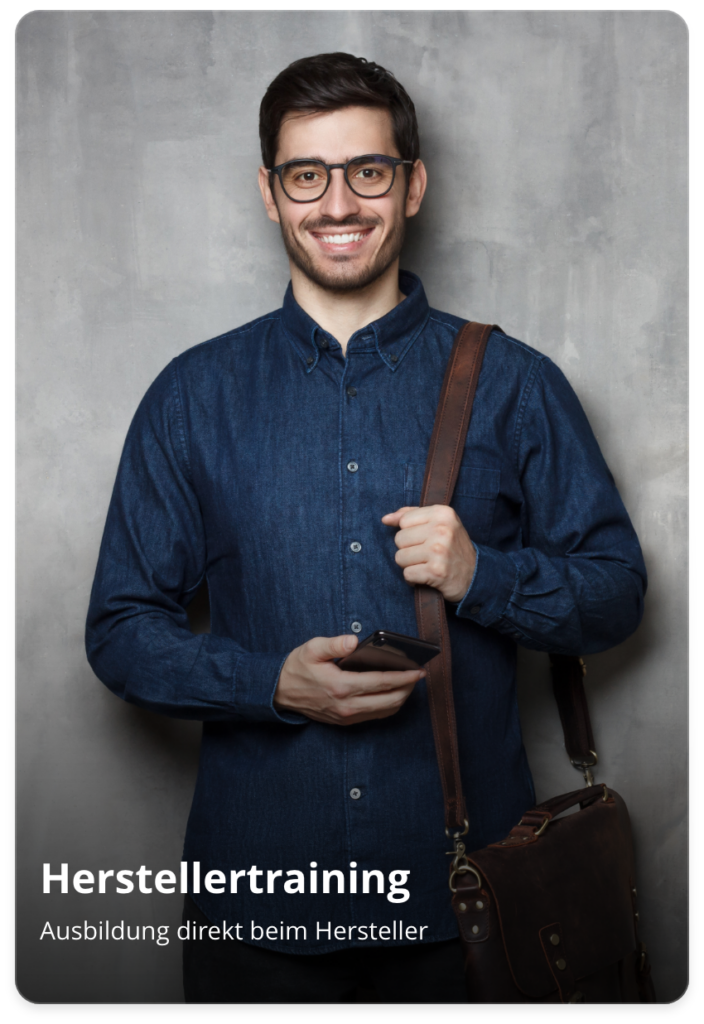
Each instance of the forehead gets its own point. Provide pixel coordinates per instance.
(336, 136)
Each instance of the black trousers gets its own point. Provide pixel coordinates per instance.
(216, 971)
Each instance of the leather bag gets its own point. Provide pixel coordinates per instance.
(547, 914)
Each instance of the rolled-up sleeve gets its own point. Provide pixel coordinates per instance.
(577, 584)
(151, 563)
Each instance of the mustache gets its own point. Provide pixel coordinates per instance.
(353, 221)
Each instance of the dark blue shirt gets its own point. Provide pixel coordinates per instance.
(262, 461)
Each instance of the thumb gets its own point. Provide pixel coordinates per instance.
(325, 648)
(392, 518)
(342, 645)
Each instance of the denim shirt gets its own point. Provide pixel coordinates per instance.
(262, 461)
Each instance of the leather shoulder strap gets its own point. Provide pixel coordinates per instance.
(441, 471)
(568, 687)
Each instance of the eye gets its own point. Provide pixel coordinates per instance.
(368, 173)
(307, 177)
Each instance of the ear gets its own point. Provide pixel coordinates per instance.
(416, 188)
(267, 195)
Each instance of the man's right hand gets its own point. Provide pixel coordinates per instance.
(311, 683)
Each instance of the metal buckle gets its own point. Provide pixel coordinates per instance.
(542, 828)
(459, 864)
(456, 835)
(584, 766)
(462, 870)
(543, 825)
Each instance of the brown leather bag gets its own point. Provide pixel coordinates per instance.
(548, 914)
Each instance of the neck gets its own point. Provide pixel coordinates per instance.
(343, 313)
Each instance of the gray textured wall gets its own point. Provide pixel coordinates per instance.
(555, 144)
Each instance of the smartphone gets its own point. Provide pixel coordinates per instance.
(384, 651)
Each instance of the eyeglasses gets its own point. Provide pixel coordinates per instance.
(370, 176)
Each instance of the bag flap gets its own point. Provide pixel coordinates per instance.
(579, 876)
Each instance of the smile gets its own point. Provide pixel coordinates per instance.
(347, 240)
(343, 239)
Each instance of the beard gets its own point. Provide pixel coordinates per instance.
(341, 273)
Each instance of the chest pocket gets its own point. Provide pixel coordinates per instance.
(474, 499)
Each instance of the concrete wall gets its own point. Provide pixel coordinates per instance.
(555, 144)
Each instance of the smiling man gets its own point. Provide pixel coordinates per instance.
(282, 463)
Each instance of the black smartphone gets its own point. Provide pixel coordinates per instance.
(384, 651)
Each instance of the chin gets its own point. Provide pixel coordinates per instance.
(340, 274)
(343, 273)
(349, 279)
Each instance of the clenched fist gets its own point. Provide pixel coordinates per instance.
(434, 548)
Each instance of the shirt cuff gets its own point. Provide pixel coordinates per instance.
(489, 592)
(254, 686)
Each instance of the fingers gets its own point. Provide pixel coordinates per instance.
(420, 574)
(412, 536)
(354, 684)
(373, 706)
(310, 682)
(421, 554)
(412, 515)
(362, 707)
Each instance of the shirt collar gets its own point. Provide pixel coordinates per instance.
(390, 337)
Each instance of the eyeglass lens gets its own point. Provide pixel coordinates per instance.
(368, 176)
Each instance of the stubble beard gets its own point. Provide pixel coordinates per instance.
(338, 273)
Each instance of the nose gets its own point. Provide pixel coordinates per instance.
(339, 201)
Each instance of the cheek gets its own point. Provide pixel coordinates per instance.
(292, 225)
(394, 219)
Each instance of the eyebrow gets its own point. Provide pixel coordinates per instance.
(321, 160)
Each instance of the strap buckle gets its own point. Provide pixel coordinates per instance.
(585, 766)
(456, 835)
(459, 864)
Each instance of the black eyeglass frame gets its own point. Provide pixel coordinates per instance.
(393, 160)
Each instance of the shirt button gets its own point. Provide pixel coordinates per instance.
(355, 793)
(324, 343)
(394, 358)
(351, 392)
(356, 627)
(475, 609)
(310, 360)
(516, 636)
(352, 466)
(355, 546)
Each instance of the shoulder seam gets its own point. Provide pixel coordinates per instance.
(445, 323)
(523, 402)
(539, 357)
(245, 328)
(227, 334)
(180, 418)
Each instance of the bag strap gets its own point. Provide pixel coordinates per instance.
(568, 688)
(441, 471)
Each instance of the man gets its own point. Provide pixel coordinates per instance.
(282, 462)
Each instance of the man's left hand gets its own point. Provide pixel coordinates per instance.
(434, 548)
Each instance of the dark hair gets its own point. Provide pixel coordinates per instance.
(331, 81)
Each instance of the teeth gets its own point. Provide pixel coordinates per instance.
(343, 239)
